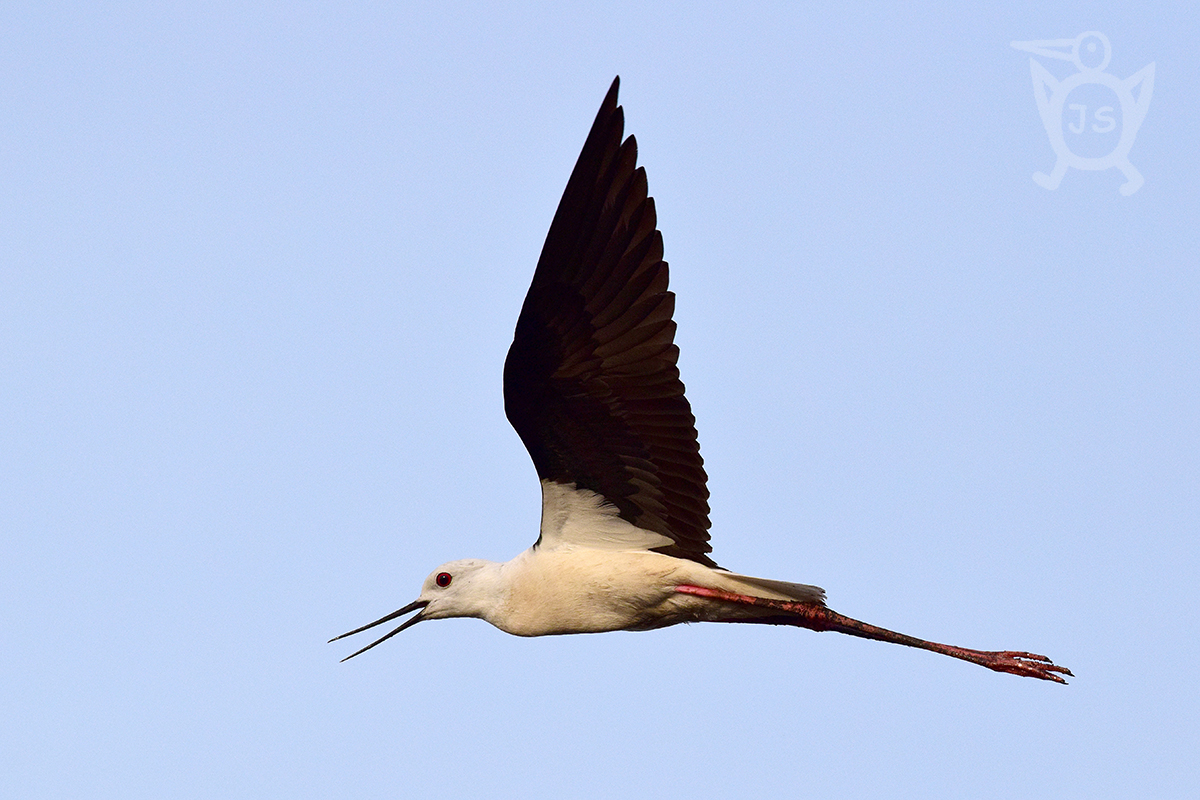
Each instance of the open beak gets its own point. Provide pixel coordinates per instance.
(416, 605)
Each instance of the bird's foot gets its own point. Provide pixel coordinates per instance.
(1031, 665)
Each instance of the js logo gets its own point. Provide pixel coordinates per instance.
(1096, 129)
(1104, 120)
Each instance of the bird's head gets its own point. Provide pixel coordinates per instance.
(456, 589)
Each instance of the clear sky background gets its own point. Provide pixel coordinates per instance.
(259, 268)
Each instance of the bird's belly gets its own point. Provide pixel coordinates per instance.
(576, 592)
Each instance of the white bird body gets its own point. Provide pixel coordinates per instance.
(592, 388)
(591, 572)
(544, 592)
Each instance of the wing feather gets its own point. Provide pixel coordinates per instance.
(591, 383)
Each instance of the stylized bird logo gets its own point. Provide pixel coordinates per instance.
(1090, 53)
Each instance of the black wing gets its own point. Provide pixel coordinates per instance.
(591, 383)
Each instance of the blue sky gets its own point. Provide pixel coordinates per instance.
(259, 268)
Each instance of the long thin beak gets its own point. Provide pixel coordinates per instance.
(416, 605)
(1051, 48)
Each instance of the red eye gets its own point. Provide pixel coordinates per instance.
(443, 579)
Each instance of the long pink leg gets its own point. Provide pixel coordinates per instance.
(820, 618)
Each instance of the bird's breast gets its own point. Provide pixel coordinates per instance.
(591, 591)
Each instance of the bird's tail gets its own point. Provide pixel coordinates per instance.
(775, 590)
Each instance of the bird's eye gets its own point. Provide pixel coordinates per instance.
(443, 579)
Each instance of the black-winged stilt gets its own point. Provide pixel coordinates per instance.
(592, 388)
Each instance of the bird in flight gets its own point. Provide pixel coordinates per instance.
(592, 388)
